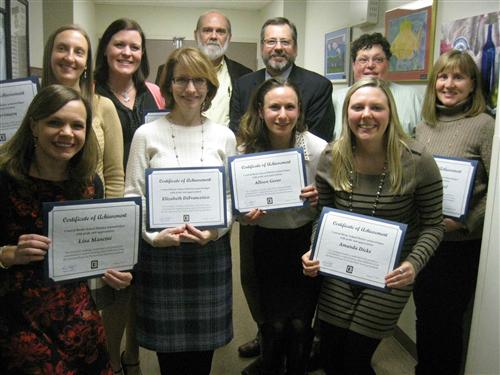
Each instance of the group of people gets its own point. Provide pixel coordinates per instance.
(84, 136)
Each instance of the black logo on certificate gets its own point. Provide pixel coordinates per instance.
(349, 269)
(269, 200)
(185, 218)
(94, 264)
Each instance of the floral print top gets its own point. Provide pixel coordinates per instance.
(44, 329)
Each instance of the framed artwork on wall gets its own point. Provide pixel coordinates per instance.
(337, 51)
(17, 39)
(411, 34)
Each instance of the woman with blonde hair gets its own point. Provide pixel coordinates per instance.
(455, 125)
(47, 327)
(183, 276)
(374, 169)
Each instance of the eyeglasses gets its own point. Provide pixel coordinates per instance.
(365, 60)
(273, 42)
(198, 82)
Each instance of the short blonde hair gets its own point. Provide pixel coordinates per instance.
(453, 61)
(197, 65)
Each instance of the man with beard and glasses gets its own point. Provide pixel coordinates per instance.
(212, 36)
(278, 44)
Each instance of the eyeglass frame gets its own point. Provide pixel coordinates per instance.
(377, 60)
(198, 82)
(274, 42)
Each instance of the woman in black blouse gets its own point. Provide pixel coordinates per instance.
(120, 74)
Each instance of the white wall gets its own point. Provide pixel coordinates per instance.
(484, 342)
(162, 22)
(84, 16)
(36, 33)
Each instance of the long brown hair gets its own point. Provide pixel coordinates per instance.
(253, 133)
(17, 154)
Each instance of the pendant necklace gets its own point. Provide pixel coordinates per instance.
(172, 134)
(379, 189)
(124, 94)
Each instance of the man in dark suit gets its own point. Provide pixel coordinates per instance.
(278, 43)
(213, 35)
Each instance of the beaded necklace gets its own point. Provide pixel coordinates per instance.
(379, 189)
(172, 134)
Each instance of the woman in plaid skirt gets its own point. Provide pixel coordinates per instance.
(183, 277)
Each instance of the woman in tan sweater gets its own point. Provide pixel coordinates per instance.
(455, 125)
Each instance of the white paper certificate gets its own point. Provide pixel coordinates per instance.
(267, 180)
(177, 196)
(90, 236)
(15, 98)
(458, 181)
(358, 248)
(155, 115)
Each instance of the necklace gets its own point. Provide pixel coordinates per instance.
(379, 189)
(123, 94)
(172, 134)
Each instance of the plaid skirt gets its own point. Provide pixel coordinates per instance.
(184, 296)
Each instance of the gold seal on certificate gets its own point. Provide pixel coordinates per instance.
(177, 196)
(267, 180)
(90, 236)
(360, 249)
(458, 181)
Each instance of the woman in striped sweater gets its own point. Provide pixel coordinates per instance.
(455, 125)
(372, 170)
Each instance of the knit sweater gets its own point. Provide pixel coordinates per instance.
(153, 147)
(455, 135)
(371, 312)
(108, 131)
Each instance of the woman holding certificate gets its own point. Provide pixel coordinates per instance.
(183, 276)
(287, 299)
(68, 61)
(47, 327)
(374, 169)
(455, 125)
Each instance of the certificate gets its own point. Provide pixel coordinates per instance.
(155, 115)
(90, 236)
(177, 196)
(458, 181)
(267, 180)
(15, 98)
(357, 248)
